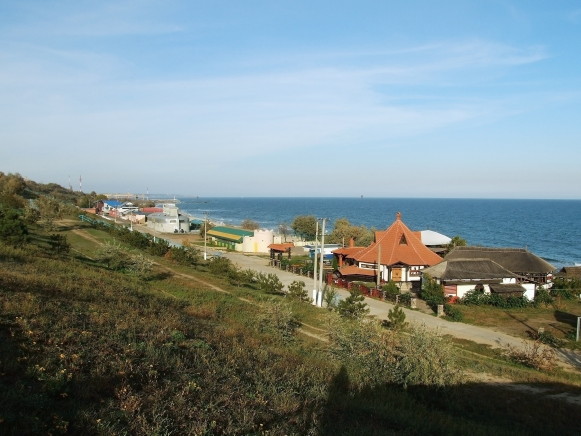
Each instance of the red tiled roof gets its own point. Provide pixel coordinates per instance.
(281, 247)
(397, 244)
(353, 270)
(347, 251)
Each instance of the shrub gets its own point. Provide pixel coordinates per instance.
(297, 291)
(549, 339)
(534, 355)
(428, 359)
(475, 298)
(59, 243)
(279, 320)
(542, 296)
(405, 299)
(453, 313)
(396, 317)
(331, 298)
(376, 356)
(390, 290)
(353, 306)
(269, 283)
(432, 292)
(13, 231)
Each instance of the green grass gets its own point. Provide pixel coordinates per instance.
(86, 349)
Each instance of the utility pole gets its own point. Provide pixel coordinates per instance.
(321, 288)
(205, 231)
(315, 283)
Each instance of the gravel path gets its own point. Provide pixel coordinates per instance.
(380, 309)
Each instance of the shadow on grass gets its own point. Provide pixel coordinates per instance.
(472, 408)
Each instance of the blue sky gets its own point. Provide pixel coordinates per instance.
(294, 98)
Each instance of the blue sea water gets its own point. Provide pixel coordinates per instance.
(549, 228)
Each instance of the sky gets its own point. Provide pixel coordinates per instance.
(291, 98)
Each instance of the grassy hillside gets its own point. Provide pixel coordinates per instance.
(92, 346)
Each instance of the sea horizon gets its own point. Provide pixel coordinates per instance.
(550, 228)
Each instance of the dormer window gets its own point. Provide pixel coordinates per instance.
(403, 240)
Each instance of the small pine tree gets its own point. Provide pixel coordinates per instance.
(297, 291)
(396, 317)
(353, 307)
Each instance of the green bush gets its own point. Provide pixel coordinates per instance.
(432, 292)
(354, 306)
(453, 313)
(391, 291)
(297, 291)
(396, 317)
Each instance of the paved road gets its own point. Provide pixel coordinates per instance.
(380, 308)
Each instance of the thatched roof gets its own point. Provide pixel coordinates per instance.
(468, 269)
(570, 272)
(507, 289)
(517, 260)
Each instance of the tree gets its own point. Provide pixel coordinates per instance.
(456, 241)
(432, 292)
(343, 231)
(250, 225)
(50, 209)
(396, 317)
(269, 283)
(353, 307)
(297, 291)
(305, 226)
(13, 231)
(59, 243)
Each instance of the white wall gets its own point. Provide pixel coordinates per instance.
(258, 243)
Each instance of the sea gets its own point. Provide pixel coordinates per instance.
(551, 229)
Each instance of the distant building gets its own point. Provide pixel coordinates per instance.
(168, 221)
(237, 239)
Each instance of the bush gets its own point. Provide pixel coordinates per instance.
(297, 291)
(405, 299)
(453, 313)
(13, 231)
(475, 298)
(376, 356)
(330, 297)
(353, 307)
(534, 355)
(390, 290)
(432, 292)
(542, 296)
(270, 283)
(278, 320)
(396, 317)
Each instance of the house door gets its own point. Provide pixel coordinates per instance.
(396, 274)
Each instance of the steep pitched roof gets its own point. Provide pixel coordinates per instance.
(518, 260)
(397, 245)
(468, 269)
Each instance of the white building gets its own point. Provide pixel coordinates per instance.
(169, 221)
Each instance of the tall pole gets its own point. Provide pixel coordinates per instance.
(378, 265)
(205, 231)
(321, 288)
(315, 283)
